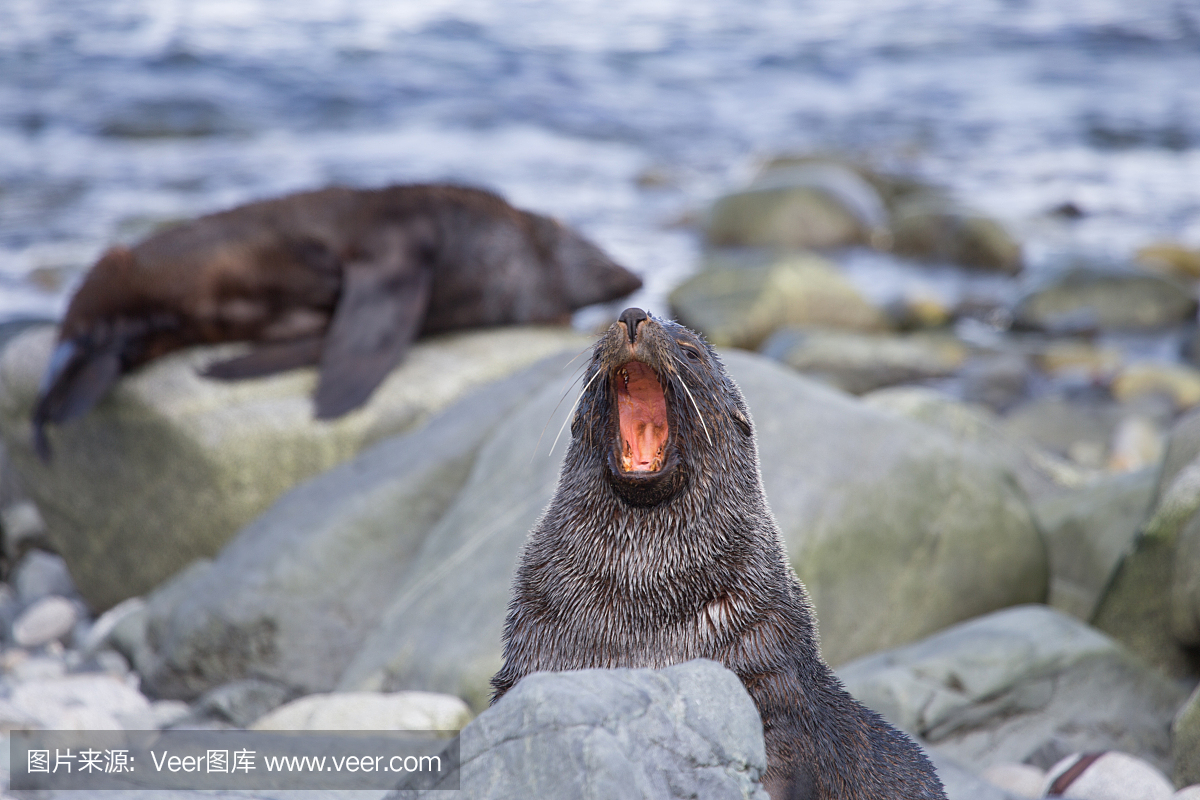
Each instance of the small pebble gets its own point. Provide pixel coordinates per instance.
(41, 574)
(45, 621)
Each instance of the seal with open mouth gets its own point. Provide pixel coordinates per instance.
(659, 547)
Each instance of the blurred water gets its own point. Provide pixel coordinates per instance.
(116, 116)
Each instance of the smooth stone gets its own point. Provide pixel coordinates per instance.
(742, 306)
(40, 574)
(1113, 776)
(1082, 301)
(23, 526)
(930, 229)
(1024, 780)
(1079, 360)
(896, 529)
(1170, 258)
(1088, 531)
(1152, 604)
(803, 206)
(45, 621)
(368, 711)
(1178, 382)
(685, 731)
(1001, 687)
(120, 496)
(294, 595)
(859, 362)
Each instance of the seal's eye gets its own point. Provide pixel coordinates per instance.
(692, 352)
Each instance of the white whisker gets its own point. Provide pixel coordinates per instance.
(571, 413)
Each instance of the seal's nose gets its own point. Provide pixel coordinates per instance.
(632, 317)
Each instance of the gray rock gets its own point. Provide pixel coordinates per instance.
(896, 529)
(1185, 742)
(928, 227)
(1039, 473)
(685, 731)
(41, 574)
(120, 498)
(292, 597)
(1083, 300)
(1147, 605)
(1088, 531)
(742, 306)
(1004, 686)
(801, 206)
(47, 620)
(242, 702)
(859, 362)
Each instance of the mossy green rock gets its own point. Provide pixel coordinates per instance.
(170, 465)
(938, 232)
(742, 306)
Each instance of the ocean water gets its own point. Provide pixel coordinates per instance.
(621, 117)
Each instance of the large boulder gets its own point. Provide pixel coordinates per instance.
(1151, 605)
(685, 731)
(1086, 300)
(293, 596)
(799, 206)
(929, 228)
(862, 362)
(1025, 683)
(740, 306)
(897, 530)
(1088, 531)
(170, 465)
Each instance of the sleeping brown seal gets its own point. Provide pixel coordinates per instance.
(658, 547)
(341, 277)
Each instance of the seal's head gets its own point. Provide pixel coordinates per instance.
(658, 404)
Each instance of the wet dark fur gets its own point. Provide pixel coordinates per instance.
(341, 277)
(626, 571)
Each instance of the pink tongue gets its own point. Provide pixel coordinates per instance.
(643, 411)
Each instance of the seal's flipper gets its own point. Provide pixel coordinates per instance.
(380, 312)
(268, 359)
(75, 380)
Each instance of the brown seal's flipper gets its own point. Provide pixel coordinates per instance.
(268, 359)
(75, 380)
(379, 313)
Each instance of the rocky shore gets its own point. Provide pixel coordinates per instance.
(990, 486)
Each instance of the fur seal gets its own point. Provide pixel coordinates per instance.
(341, 277)
(659, 547)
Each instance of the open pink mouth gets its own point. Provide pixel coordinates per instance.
(643, 412)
